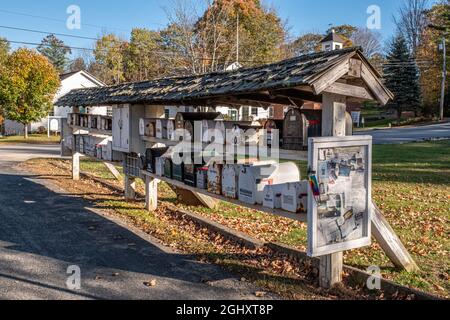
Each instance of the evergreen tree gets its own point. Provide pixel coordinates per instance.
(56, 52)
(402, 76)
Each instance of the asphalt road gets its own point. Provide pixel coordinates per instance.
(408, 134)
(44, 231)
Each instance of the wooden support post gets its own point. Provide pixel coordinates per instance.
(192, 198)
(151, 193)
(130, 188)
(206, 201)
(391, 243)
(75, 165)
(334, 108)
(330, 270)
(113, 170)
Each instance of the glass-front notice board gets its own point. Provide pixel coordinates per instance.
(340, 195)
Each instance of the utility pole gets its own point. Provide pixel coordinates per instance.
(444, 75)
(237, 38)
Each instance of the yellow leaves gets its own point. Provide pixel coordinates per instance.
(28, 85)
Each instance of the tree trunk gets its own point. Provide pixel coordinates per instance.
(25, 131)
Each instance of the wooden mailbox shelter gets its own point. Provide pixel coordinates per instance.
(331, 78)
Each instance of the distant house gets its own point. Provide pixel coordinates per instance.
(332, 41)
(72, 80)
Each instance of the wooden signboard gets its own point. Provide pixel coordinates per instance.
(339, 212)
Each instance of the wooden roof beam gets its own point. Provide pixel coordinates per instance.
(379, 91)
(330, 76)
(350, 91)
(264, 99)
(296, 95)
(355, 66)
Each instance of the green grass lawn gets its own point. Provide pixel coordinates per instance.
(411, 184)
(32, 139)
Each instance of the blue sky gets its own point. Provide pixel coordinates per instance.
(99, 16)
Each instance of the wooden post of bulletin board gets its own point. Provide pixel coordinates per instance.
(334, 108)
(75, 154)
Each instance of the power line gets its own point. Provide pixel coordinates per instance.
(64, 21)
(57, 20)
(48, 33)
(92, 50)
(46, 45)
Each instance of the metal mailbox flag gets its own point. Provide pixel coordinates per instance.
(339, 205)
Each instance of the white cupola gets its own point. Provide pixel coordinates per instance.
(332, 41)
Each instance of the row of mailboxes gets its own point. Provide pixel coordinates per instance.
(96, 147)
(293, 132)
(271, 184)
(90, 121)
(297, 127)
(204, 127)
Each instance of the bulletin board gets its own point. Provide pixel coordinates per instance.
(340, 193)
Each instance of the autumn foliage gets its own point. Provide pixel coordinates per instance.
(28, 84)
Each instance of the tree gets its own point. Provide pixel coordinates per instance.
(209, 42)
(344, 30)
(56, 51)
(307, 43)
(412, 22)
(27, 87)
(402, 76)
(142, 56)
(77, 65)
(109, 53)
(368, 40)
(438, 25)
(4, 50)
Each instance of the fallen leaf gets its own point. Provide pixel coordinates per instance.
(151, 283)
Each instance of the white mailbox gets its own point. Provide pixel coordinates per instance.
(272, 196)
(253, 179)
(215, 178)
(230, 180)
(295, 197)
(160, 166)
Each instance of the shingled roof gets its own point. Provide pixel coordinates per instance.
(182, 90)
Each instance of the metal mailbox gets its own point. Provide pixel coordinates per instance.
(168, 173)
(272, 196)
(160, 166)
(215, 178)
(186, 121)
(178, 171)
(269, 126)
(151, 155)
(202, 178)
(299, 125)
(230, 180)
(147, 127)
(190, 174)
(254, 178)
(295, 197)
